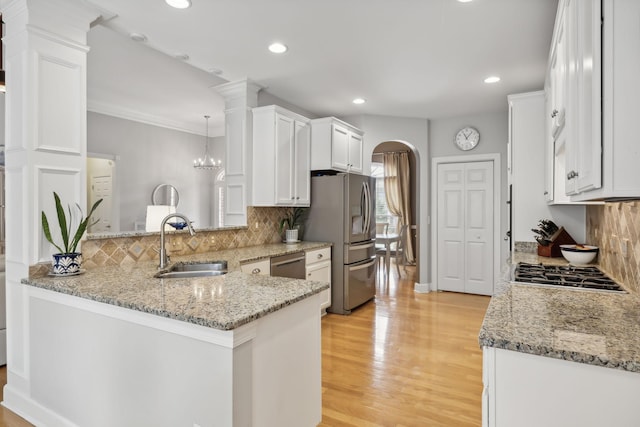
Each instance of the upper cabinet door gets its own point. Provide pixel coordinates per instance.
(355, 153)
(558, 76)
(302, 170)
(589, 96)
(284, 160)
(339, 147)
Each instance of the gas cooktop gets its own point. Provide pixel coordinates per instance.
(569, 276)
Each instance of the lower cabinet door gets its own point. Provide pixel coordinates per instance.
(321, 272)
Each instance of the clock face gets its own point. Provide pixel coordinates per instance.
(467, 138)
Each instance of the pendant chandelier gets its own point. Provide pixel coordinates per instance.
(207, 162)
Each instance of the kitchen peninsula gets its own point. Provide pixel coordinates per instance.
(116, 346)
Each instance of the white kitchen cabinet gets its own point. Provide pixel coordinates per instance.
(318, 267)
(573, 94)
(281, 158)
(336, 145)
(595, 149)
(527, 390)
(262, 267)
(620, 153)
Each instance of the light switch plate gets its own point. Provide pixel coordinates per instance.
(624, 247)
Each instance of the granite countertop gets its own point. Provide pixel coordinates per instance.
(597, 328)
(221, 302)
(531, 258)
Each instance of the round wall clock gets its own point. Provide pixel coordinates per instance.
(467, 138)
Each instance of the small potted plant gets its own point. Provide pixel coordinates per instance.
(67, 261)
(292, 223)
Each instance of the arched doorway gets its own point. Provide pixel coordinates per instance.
(383, 213)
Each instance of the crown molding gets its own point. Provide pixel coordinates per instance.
(153, 120)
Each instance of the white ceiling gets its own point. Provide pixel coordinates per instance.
(409, 58)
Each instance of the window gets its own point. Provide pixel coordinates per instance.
(383, 215)
(219, 206)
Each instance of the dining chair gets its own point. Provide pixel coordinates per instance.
(382, 227)
(397, 250)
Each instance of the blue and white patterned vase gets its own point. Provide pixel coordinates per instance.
(67, 263)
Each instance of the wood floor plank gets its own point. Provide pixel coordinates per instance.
(403, 360)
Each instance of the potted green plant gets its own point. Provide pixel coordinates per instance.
(67, 261)
(292, 223)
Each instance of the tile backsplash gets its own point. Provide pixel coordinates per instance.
(263, 227)
(615, 229)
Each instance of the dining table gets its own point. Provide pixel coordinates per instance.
(387, 239)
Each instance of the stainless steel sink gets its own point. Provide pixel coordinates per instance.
(201, 269)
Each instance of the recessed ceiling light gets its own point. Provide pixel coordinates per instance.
(492, 79)
(179, 4)
(359, 101)
(277, 48)
(138, 37)
(464, 1)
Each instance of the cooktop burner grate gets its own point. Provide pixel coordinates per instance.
(565, 275)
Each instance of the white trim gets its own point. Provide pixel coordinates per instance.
(497, 201)
(150, 119)
(422, 288)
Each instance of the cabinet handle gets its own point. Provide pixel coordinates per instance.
(319, 256)
(572, 174)
(255, 271)
(546, 192)
(297, 198)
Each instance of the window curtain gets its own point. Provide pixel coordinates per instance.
(397, 190)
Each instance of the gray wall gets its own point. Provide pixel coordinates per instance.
(146, 156)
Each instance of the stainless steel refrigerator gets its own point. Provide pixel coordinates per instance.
(342, 212)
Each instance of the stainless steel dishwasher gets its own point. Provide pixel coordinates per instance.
(290, 265)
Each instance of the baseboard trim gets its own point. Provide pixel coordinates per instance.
(30, 410)
(422, 288)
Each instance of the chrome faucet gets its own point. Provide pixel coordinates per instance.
(164, 258)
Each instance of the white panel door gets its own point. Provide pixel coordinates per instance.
(465, 227)
(101, 188)
(451, 227)
(479, 228)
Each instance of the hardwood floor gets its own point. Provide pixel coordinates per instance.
(405, 359)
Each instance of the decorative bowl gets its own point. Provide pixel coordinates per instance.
(579, 254)
(178, 225)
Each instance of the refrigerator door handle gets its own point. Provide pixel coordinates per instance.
(363, 206)
(360, 247)
(366, 207)
(363, 266)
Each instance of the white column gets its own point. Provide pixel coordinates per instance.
(45, 59)
(239, 97)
